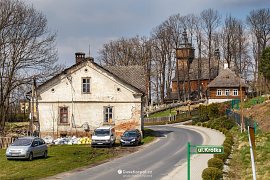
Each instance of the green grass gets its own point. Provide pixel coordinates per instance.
(252, 102)
(149, 136)
(163, 113)
(240, 164)
(61, 158)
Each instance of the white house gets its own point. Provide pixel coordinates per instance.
(87, 95)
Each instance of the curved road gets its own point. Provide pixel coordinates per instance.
(152, 162)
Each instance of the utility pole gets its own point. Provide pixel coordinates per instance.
(32, 108)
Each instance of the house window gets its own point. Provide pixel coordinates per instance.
(85, 85)
(235, 92)
(219, 92)
(108, 114)
(63, 111)
(227, 92)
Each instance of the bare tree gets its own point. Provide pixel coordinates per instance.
(27, 49)
(210, 20)
(259, 25)
(130, 51)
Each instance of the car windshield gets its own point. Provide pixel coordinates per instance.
(102, 132)
(22, 142)
(130, 134)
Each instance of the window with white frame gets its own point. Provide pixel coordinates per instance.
(219, 92)
(227, 92)
(108, 114)
(63, 115)
(85, 85)
(235, 92)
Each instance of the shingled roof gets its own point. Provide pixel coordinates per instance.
(133, 75)
(193, 72)
(227, 78)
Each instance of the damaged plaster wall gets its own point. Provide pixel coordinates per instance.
(105, 90)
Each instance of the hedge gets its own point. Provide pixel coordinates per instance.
(212, 173)
(215, 162)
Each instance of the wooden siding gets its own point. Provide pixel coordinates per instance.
(193, 85)
(213, 93)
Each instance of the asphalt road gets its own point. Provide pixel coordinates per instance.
(153, 162)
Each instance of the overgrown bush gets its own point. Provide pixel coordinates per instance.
(215, 162)
(213, 110)
(228, 141)
(212, 173)
(227, 152)
(220, 156)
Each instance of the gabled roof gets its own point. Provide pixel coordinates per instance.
(227, 78)
(193, 72)
(131, 75)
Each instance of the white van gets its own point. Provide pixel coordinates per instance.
(103, 136)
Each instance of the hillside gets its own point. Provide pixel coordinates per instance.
(261, 114)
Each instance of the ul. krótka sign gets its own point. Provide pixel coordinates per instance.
(210, 149)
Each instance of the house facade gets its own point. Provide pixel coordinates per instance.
(226, 87)
(87, 95)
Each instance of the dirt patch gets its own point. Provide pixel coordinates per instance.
(261, 114)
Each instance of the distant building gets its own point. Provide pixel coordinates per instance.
(24, 106)
(227, 86)
(197, 74)
(191, 75)
(86, 96)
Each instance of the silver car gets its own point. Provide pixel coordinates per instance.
(27, 148)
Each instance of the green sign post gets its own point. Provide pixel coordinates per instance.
(201, 149)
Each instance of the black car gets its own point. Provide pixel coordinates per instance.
(131, 137)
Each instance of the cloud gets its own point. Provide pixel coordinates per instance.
(79, 23)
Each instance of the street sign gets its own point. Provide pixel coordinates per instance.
(200, 149)
(209, 149)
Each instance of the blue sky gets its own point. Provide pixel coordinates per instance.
(80, 23)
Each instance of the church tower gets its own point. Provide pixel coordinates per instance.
(184, 57)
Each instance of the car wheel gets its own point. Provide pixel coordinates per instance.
(110, 145)
(45, 155)
(30, 158)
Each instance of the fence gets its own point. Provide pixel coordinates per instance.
(237, 118)
(160, 119)
(6, 141)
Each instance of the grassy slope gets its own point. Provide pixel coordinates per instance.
(240, 164)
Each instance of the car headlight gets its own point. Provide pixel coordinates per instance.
(132, 140)
(122, 140)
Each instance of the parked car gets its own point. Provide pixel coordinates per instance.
(131, 137)
(103, 136)
(27, 148)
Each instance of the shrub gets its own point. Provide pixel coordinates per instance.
(221, 157)
(213, 110)
(227, 152)
(227, 145)
(212, 173)
(215, 162)
(228, 141)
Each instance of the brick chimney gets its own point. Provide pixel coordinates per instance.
(79, 56)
